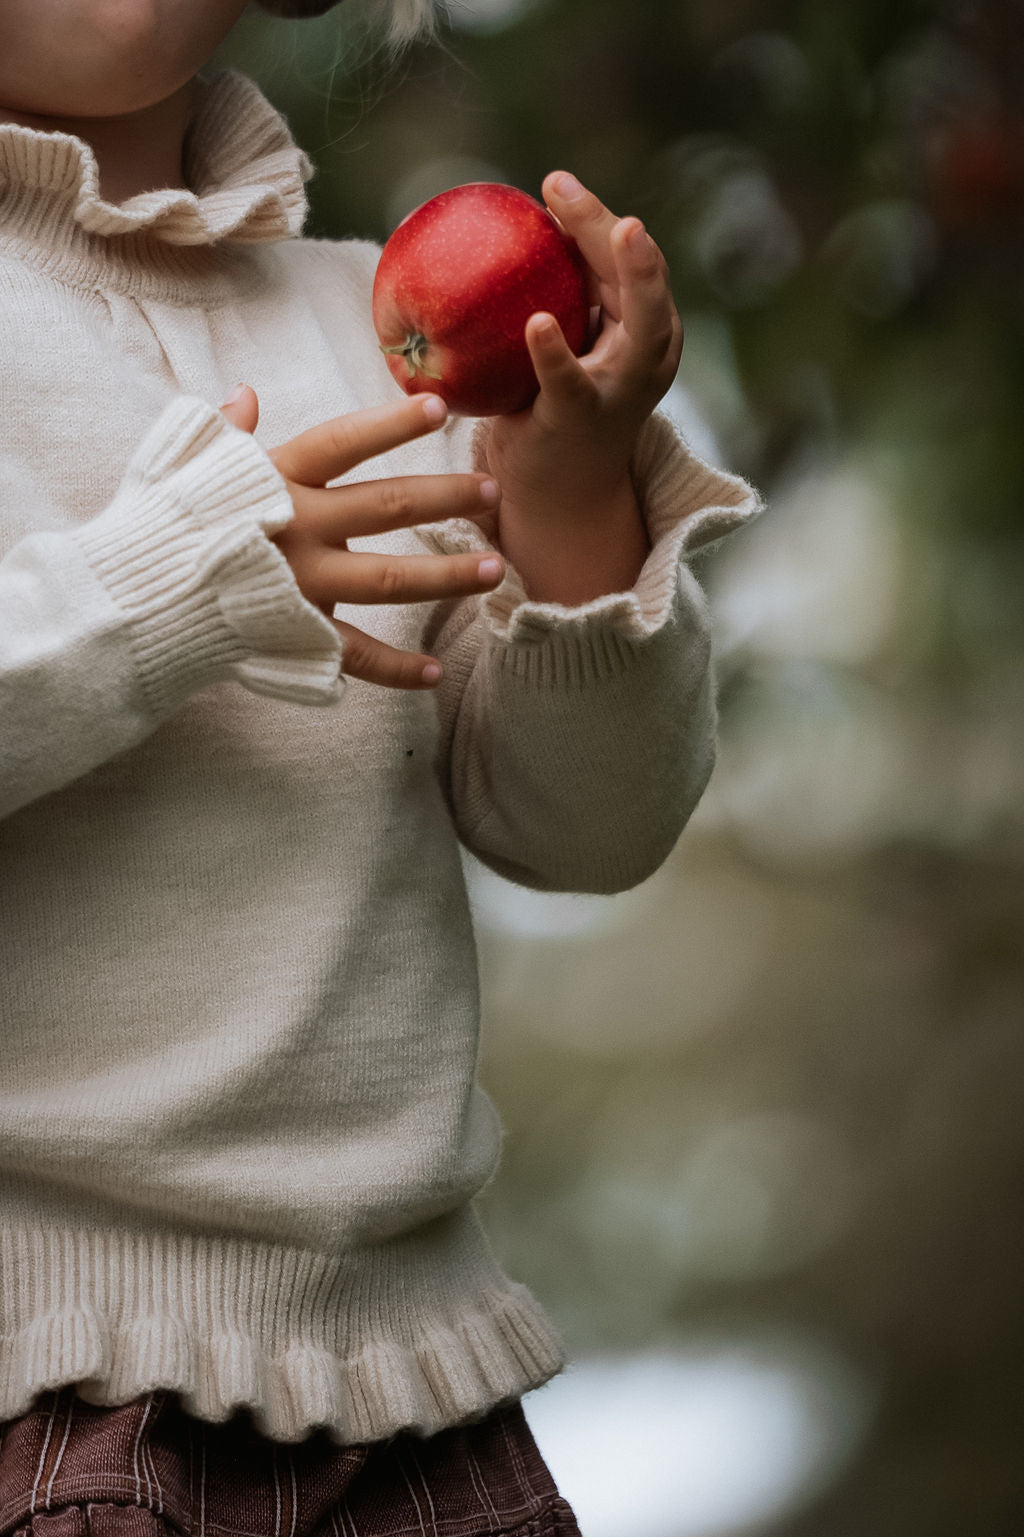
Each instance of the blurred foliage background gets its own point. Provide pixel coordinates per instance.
(772, 1099)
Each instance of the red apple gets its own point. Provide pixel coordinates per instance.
(456, 284)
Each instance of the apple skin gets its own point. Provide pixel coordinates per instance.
(455, 286)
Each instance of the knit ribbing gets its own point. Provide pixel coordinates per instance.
(419, 1333)
(182, 549)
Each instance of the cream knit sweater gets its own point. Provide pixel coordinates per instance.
(239, 1130)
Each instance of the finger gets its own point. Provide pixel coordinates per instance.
(242, 408)
(649, 315)
(559, 372)
(330, 449)
(350, 576)
(377, 506)
(374, 661)
(585, 218)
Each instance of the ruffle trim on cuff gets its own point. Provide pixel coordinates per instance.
(294, 652)
(688, 505)
(183, 551)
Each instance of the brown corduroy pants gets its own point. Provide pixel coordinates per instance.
(147, 1468)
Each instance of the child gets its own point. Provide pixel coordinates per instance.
(241, 1283)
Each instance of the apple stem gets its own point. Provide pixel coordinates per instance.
(413, 350)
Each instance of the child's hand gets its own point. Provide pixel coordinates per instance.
(315, 542)
(563, 464)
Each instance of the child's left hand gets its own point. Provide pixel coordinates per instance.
(569, 519)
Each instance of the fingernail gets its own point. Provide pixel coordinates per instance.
(568, 187)
(434, 408)
(638, 237)
(431, 672)
(236, 394)
(490, 492)
(489, 569)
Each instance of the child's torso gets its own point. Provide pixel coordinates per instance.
(242, 949)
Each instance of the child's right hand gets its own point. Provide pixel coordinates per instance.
(315, 542)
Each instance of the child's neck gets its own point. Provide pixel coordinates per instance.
(138, 152)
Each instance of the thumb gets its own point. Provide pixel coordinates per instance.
(242, 408)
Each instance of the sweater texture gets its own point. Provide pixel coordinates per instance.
(240, 1132)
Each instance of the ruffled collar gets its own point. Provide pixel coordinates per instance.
(244, 171)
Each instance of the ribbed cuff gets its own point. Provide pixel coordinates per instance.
(688, 506)
(183, 550)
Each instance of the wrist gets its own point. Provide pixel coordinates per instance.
(572, 547)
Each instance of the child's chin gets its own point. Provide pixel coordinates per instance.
(85, 98)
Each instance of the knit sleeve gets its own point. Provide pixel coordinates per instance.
(579, 740)
(108, 627)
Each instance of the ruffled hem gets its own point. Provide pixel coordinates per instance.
(491, 1356)
(420, 1331)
